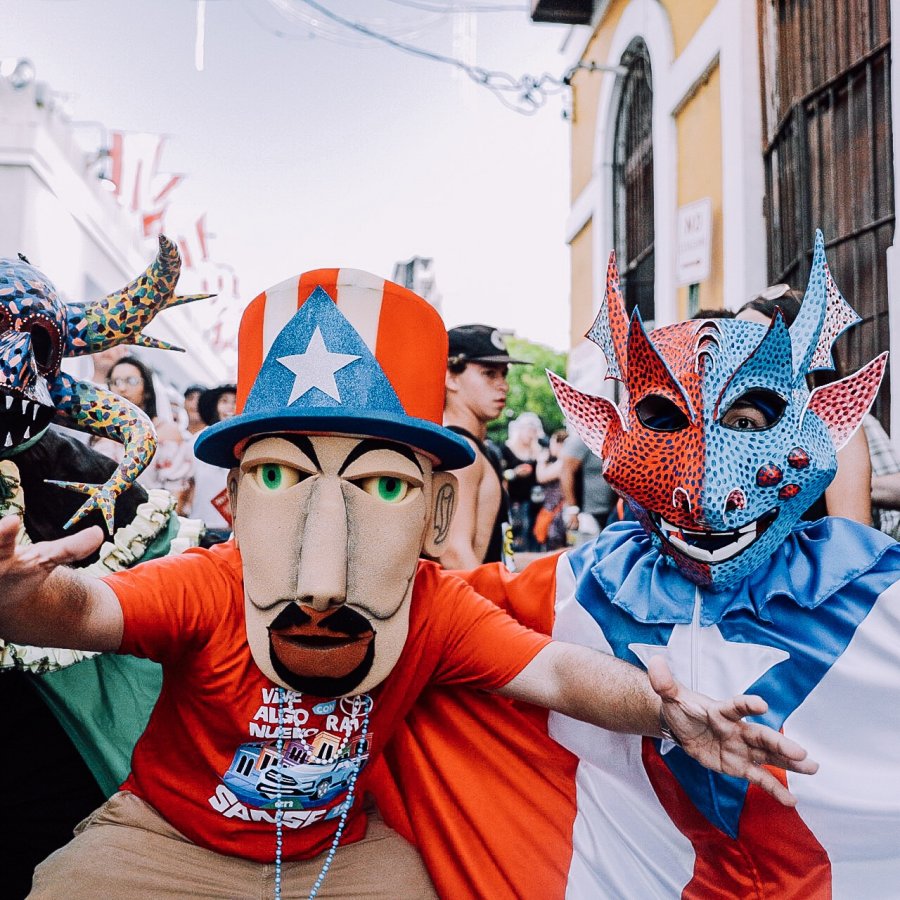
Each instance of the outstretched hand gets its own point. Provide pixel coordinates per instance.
(715, 734)
(24, 568)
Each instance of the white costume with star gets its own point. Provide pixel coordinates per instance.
(817, 638)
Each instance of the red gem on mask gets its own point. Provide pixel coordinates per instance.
(769, 476)
(788, 491)
(798, 458)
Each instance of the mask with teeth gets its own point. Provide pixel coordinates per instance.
(718, 444)
(37, 330)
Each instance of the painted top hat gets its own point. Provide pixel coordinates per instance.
(339, 351)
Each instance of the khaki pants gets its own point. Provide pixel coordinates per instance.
(126, 851)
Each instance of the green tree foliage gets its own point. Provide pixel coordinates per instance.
(529, 388)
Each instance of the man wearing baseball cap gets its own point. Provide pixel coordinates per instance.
(476, 389)
(291, 653)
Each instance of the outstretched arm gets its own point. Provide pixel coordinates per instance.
(617, 696)
(46, 605)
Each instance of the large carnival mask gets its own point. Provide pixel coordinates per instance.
(718, 444)
(328, 580)
(37, 330)
(335, 483)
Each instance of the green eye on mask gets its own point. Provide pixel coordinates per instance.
(275, 477)
(388, 488)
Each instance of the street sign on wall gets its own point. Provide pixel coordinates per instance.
(694, 242)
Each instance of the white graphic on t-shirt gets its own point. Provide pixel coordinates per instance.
(308, 776)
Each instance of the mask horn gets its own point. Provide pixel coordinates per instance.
(824, 315)
(647, 369)
(610, 329)
(120, 317)
(592, 417)
(842, 404)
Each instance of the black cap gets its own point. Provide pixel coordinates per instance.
(478, 343)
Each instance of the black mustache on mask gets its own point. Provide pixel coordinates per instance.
(342, 620)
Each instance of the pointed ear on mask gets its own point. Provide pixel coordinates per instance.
(234, 476)
(842, 404)
(443, 505)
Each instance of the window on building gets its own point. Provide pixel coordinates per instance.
(633, 229)
(827, 152)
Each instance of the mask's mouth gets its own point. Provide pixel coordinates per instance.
(21, 418)
(320, 644)
(712, 546)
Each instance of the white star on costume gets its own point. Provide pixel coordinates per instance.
(315, 368)
(704, 661)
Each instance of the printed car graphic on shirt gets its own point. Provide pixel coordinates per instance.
(299, 779)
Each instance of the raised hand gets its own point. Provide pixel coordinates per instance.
(23, 569)
(715, 734)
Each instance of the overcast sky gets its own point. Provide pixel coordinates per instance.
(309, 152)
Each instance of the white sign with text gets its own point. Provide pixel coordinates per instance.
(694, 242)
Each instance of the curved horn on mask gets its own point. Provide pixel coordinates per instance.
(824, 315)
(120, 317)
(94, 410)
(648, 372)
(610, 329)
(592, 417)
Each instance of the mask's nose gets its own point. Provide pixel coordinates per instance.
(322, 572)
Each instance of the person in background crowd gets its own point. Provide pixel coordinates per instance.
(595, 497)
(520, 456)
(549, 526)
(195, 420)
(172, 466)
(210, 498)
(476, 390)
(885, 478)
(850, 493)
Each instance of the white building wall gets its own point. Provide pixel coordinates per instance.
(55, 210)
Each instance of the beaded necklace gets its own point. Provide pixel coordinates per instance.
(279, 810)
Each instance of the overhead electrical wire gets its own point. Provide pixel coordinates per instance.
(525, 94)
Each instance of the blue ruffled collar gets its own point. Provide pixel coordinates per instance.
(648, 586)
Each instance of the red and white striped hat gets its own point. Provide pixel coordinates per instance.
(339, 351)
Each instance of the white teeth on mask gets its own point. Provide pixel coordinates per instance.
(9, 400)
(24, 407)
(8, 441)
(27, 433)
(34, 412)
(740, 538)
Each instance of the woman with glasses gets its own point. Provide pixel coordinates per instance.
(172, 467)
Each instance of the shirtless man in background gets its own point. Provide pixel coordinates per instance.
(476, 390)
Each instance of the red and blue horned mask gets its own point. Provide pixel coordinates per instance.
(37, 329)
(718, 444)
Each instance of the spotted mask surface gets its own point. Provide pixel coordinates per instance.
(37, 330)
(719, 445)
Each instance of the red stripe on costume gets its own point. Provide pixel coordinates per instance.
(250, 357)
(324, 278)
(775, 854)
(418, 378)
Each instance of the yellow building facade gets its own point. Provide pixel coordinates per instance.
(710, 138)
(702, 61)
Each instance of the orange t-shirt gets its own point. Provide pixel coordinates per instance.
(206, 759)
(476, 782)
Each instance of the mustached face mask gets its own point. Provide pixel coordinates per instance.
(718, 444)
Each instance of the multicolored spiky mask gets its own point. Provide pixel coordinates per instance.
(37, 330)
(718, 444)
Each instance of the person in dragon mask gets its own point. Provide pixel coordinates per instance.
(83, 712)
(291, 653)
(718, 446)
